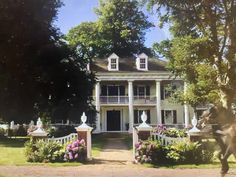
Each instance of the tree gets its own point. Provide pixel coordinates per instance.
(120, 28)
(203, 48)
(38, 71)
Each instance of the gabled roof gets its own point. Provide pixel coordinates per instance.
(128, 65)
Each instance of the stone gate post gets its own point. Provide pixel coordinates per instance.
(84, 132)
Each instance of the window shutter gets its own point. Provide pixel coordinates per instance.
(162, 116)
(147, 90)
(148, 117)
(122, 90)
(174, 117)
(135, 90)
(136, 116)
(104, 90)
(162, 92)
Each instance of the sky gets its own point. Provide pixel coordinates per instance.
(75, 12)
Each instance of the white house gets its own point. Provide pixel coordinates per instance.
(127, 86)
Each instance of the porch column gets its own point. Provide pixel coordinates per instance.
(186, 109)
(131, 106)
(97, 103)
(158, 101)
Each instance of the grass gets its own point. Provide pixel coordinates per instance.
(12, 151)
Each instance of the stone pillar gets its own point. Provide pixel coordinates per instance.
(141, 132)
(186, 109)
(84, 132)
(39, 133)
(158, 101)
(131, 106)
(97, 103)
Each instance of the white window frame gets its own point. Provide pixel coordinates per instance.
(171, 115)
(112, 58)
(143, 63)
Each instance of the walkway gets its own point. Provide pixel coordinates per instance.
(115, 152)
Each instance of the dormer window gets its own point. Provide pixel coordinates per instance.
(142, 62)
(113, 62)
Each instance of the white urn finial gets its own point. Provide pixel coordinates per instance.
(83, 118)
(144, 117)
(194, 123)
(39, 123)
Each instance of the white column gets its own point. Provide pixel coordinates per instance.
(158, 101)
(186, 109)
(97, 103)
(131, 106)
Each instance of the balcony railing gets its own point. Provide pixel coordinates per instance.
(114, 99)
(144, 99)
(125, 100)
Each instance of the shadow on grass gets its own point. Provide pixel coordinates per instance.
(13, 142)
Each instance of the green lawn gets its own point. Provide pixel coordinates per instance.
(12, 151)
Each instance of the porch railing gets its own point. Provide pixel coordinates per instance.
(125, 99)
(114, 99)
(144, 99)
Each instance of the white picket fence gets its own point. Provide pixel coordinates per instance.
(165, 140)
(64, 139)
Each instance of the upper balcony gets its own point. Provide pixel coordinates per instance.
(138, 100)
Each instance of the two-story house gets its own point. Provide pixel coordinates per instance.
(128, 86)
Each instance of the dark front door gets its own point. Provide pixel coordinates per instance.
(113, 120)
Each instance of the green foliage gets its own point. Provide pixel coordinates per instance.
(38, 71)
(62, 130)
(2, 132)
(173, 132)
(41, 151)
(203, 48)
(183, 152)
(120, 28)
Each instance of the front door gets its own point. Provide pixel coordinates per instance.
(113, 120)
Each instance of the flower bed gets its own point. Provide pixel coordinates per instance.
(44, 151)
(184, 152)
(170, 132)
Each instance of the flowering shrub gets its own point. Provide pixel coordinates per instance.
(75, 151)
(160, 129)
(170, 132)
(42, 151)
(180, 152)
(149, 151)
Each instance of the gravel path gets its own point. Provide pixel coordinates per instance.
(107, 171)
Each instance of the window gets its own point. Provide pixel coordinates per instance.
(169, 116)
(137, 116)
(142, 90)
(142, 63)
(113, 63)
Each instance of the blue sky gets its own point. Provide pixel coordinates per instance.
(76, 11)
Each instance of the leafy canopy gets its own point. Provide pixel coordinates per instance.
(120, 28)
(38, 71)
(203, 48)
